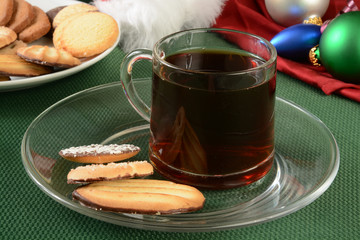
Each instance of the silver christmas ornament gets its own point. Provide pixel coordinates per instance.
(291, 12)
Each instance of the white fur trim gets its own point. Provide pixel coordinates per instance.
(143, 22)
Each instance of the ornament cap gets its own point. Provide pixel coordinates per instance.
(314, 56)
(314, 20)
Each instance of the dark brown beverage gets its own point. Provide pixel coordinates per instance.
(205, 133)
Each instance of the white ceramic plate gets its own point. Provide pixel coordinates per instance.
(22, 83)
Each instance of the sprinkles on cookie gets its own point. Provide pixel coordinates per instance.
(97, 153)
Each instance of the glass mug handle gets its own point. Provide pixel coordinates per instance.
(128, 84)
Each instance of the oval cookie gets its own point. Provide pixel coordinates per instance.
(111, 171)
(97, 153)
(143, 196)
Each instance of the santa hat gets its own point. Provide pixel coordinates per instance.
(142, 22)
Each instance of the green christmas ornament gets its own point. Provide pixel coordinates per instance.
(339, 47)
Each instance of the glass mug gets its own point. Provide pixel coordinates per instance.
(212, 110)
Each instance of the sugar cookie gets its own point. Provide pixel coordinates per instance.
(51, 15)
(69, 10)
(53, 12)
(86, 34)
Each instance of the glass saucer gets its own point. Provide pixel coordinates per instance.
(306, 161)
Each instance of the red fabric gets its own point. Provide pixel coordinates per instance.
(251, 16)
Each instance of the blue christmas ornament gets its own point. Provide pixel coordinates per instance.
(296, 41)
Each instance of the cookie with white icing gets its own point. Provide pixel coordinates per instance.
(97, 153)
(111, 171)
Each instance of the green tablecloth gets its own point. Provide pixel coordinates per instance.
(28, 213)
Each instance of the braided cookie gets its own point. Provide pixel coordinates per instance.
(49, 56)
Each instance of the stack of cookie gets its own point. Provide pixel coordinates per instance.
(20, 23)
(29, 22)
(110, 187)
(78, 31)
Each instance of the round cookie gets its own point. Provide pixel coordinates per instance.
(6, 11)
(22, 16)
(53, 12)
(51, 15)
(57, 35)
(38, 28)
(7, 36)
(67, 11)
(86, 34)
(48, 56)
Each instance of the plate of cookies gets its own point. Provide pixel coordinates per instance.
(43, 41)
(95, 161)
